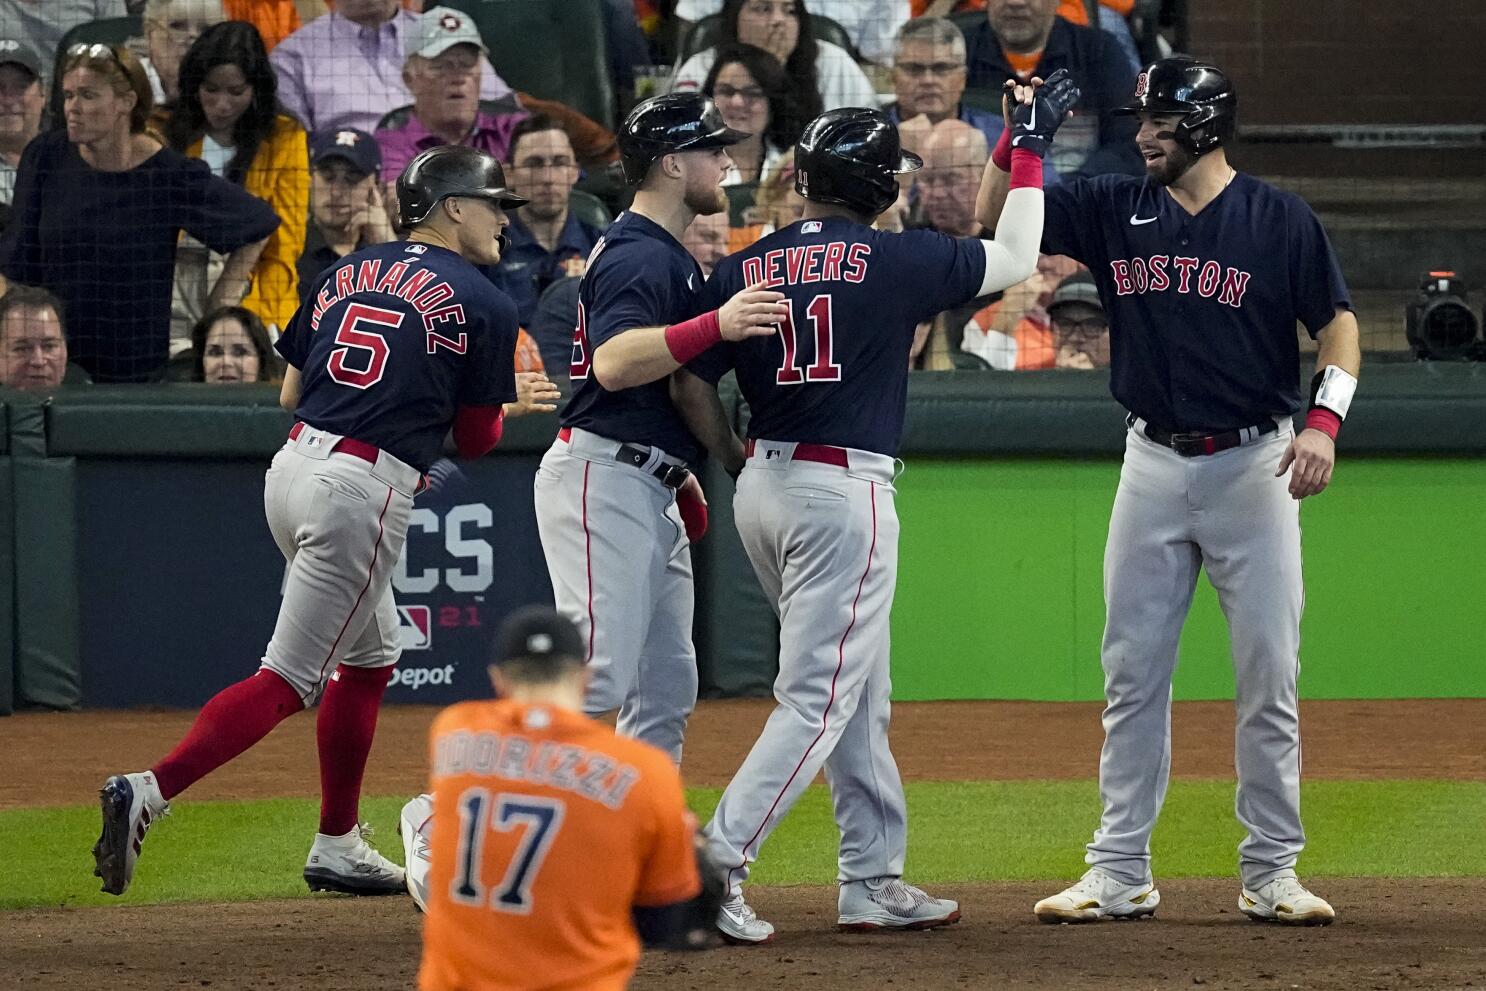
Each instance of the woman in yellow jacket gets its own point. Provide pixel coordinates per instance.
(228, 116)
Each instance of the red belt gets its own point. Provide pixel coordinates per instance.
(820, 453)
(346, 445)
(565, 434)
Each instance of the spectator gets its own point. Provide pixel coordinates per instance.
(954, 157)
(929, 80)
(445, 57)
(171, 27)
(343, 70)
(228, 116)
(33, 349)
(1080, 325)
(99, 207)
(775, 205)
(347, 212)
(1024, 38)
(548, 242)
(231, 345)
(1015, 332)
(754, 95)
(39, 25)
(706, 240)
(22, 100)
(824, 75)
(274, 19)
(871, 24)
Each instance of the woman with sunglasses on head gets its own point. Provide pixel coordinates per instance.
(754, 95)
(824, 75)
(228, 116)
(99, 207)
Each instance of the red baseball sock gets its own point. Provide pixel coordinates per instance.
(236, 718)
(343, 732)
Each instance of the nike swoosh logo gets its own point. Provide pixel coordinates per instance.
(689, 281)
(1137, 221)
(1031, 123)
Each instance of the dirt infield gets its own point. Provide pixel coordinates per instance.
(1413, 934)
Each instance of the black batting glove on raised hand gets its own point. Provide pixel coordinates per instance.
(1034, 124)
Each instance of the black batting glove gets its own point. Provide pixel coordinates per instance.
(1034, 124)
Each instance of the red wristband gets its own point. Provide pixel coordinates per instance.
(1001, 154)
(1322, 419)
(1026, 170)
(691, 337)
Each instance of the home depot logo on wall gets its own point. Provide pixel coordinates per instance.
(415, 627)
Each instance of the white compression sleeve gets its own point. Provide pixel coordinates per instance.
(1012, 257)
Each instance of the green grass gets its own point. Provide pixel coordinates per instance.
(958, 831)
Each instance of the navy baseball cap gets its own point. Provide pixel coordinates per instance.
(356, 147)
(537, 633)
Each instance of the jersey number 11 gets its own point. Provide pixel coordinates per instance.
(824, 368)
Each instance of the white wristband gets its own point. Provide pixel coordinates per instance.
(1336, 391)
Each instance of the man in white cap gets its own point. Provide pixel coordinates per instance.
(445, 59)
(344, 69)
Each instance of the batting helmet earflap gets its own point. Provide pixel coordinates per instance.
(1199, 91)
(450, 170)
(852, 157)
(665, 124)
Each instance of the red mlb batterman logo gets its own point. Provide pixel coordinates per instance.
(415, 627)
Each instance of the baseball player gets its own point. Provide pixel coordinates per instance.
(814, 502)
(398, 343)
(1204, 273)
(616, 504)
(538, 795)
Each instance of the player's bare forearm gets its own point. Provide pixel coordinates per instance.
(702, 411)
(635, 357)
(232, 284)
(289, 391)
(1340, 344)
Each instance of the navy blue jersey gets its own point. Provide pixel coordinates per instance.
(638, 276)
(1202, 309)
(393, 339)
(837, 371)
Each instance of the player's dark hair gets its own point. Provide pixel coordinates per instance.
(268, 360)
(124, 73)
(786, 119)
(540, 670)
(228, 43)
(535, 124)
(31, 298)
(800, 66)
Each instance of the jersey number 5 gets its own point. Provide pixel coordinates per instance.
(368, 345)
(479, 811)
(824, 368)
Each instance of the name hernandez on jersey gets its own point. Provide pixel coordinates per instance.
(407, 280)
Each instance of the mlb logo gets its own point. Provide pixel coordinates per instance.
(415, 627)
(416, 249)
(810, 227)
(1140, 83)
(771, 453)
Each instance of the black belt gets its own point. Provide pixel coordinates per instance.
(671, 476)
(1195, 444)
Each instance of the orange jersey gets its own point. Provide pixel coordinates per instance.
(549, 830)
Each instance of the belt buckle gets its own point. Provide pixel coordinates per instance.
(1189, 444)
(673, 476)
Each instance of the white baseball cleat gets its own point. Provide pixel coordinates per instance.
(740, 925)
(1285, 900)
(888, 903)
(130, 804)
(1099, 895)
(351, 865)
(412, 826)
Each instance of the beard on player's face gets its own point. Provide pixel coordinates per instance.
(1171, 165)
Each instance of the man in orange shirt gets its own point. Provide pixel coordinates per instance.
(534, 795)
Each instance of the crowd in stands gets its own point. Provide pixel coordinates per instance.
(174, 174)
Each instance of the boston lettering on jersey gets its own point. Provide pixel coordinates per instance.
(1158, 273)
(564, 766)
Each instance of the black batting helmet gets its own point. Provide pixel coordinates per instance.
(1200, 92)
(450, 170)
(665, 124)
(852, 157)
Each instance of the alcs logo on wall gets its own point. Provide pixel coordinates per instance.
(474, 567)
